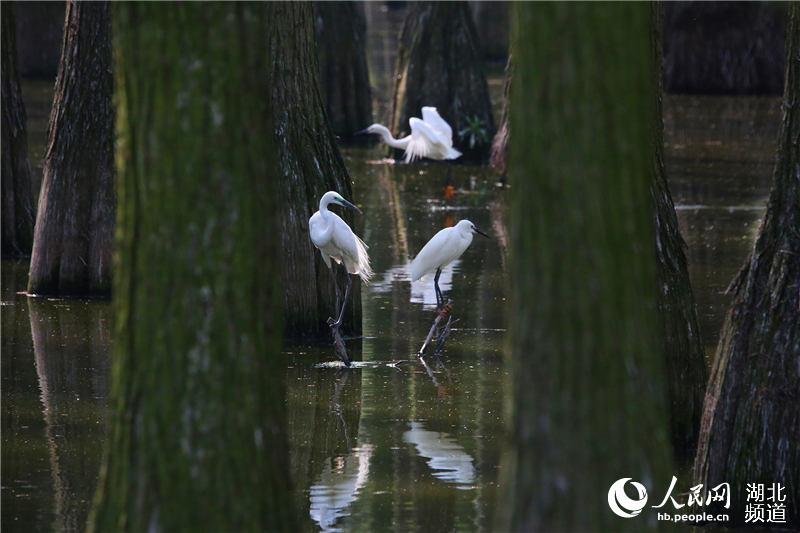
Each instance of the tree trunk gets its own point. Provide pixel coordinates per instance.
(75, 219)
(40, 30)
(310, 165)
(198, 439)
(341, 29)
(751, 417)
(724, 47)
(680, 331)
(588, 391)
(439, 64)
(17, 200)
(493, 24)
(499, 155)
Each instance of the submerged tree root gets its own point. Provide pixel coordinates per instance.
(338, 342)
(440, 330)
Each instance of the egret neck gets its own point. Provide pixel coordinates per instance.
(327, 233)
(387, 137)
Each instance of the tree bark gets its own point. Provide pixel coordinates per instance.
(492, 20)
(75, 219)
(499, 155)
(751, 417)
(40, 30)
(198, 439)
(439, 64)
(341, 29)
(680, 332)
(588, 391)
(17, 200)
(310, 165)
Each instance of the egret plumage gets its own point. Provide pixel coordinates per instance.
(444, 248)
(431, 137)
(338, 243)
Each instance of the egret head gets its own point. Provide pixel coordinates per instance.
(333, 197)
(465, 226)
(375, 128)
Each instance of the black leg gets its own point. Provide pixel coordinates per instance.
(336, 288)
(439, 297)
(344, 302)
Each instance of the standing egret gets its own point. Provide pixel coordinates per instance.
(431, 137)
(444, 248)
(335, 240)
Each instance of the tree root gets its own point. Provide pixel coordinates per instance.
(338, 342)
(440, 330)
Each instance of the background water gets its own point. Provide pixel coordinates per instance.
(389, 444)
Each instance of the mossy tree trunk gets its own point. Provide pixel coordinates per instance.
(677, 314)
(751, 417)
(17, 200)
(341, 29)
(588, 388)
(75, 218)
(439, 64)
(198, 438)
(310, 165)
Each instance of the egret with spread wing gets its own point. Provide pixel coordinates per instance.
(431, 137)
(444, 248)
(336, 241)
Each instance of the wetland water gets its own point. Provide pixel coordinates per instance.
(380, 446)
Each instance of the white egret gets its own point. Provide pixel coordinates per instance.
(336, 241)
(431, 137)
(444, 248)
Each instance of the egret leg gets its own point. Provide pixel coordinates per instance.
(439, 297)
(336, 288)
(344, 302)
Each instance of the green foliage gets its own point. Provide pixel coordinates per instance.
(475, 133)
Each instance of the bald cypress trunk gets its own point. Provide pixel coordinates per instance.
(751, 416)
(310, 165)
(75, 218)
(588, 387)
(341, 29)
(198, 438)
(17, 200)
(677, 314)
(499, 155)
(439, 64)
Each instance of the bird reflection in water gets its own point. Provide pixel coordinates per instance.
(446, 458)
(422, 291)
(343, 476)
(338, 485)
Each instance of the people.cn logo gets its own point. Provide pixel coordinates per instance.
(621, 504)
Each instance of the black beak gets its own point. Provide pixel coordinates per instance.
(348, 205)
(480, 232)
(361, 132)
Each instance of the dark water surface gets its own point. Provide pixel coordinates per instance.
(383, 445)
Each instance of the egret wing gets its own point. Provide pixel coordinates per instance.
(432, 117)
(424, 140)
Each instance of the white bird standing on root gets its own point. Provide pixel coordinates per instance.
(335, 240)
(431, 137)
(444, 248)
